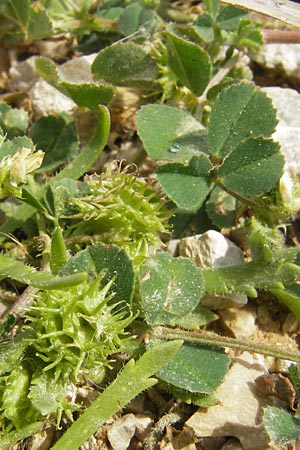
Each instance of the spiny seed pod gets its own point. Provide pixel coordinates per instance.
(118, 207)
(68, 336)
(75, 330)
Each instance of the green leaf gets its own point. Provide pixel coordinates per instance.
(13, 122)
(133, 17)
(15, 402)
(221, 208)
(125, 64)
(204, 27)
(190, 63)
(170, 134)
(57, 136)
(213, 7)
(5, 326)
(11, 352)
(58, 256)
(57, 196)
(230, 17)
(29, 197)
(290, 297)
(110, 258)
(281, 426)
(187, 186)
(11, 268)
(17, 435)
(239, 112)
(253, 167)
(85, 94)
(48, 70)
(10, 147)
(169, 287)
(249, 36)
(134, 378)
(21, 11)
(47, 394)
(199, 317)
(248, 277)
(39, 25)
(294, 373)
(196, 368)
(89, 154)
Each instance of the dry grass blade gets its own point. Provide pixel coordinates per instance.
(284, 10)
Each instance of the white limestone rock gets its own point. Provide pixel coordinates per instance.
(241, 322)
(123, 429)
(284, 58)
(287, 104)
(23, 76)
(212, 249)
(121, 432)
(238, 413)
(45, 99)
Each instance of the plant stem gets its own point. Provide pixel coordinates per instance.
(204, 337)
(216, 80)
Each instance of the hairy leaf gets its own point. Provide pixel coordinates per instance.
(16, 270)
(239, 112)
(281, 426)
(110, 258)
(221, 208)
(170, 288)
(85, 94)
(134, 378)
(196, 368)
(125, 64)
(170, 134)
(135, 16)
(187, 186)
(253, 167)
(39, 25)
(190, 63)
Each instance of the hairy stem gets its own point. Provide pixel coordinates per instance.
(205, 337)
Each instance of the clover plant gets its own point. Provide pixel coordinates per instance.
(86, 251)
